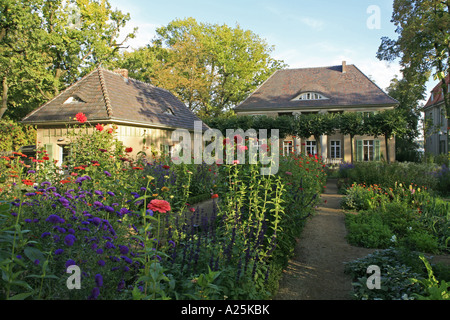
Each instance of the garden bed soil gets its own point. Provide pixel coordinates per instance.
(316, 271)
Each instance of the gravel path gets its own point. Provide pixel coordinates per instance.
(316, 272)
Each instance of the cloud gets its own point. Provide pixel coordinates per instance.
(313, 23)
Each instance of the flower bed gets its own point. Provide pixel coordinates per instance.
(122, 223)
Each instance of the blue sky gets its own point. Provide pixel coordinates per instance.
(304, 33)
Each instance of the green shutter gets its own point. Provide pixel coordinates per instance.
(359, 150)
(377, 151)
(49, 149)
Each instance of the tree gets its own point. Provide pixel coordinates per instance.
(351, 123)
(408, 94)
(316, 125)
(387, 123)
(423, 45)
(46, 45)
(210, 67)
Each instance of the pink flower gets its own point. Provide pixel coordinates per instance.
(161, 206)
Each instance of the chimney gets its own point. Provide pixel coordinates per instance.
(122, 72)
(344, 67)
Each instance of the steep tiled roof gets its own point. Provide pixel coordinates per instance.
(349, 88)
(104, 95)
(437, 96)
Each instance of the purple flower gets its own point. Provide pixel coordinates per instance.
(46, 183)
(69, 240)
(45, 234)
(96, 221)
(99, 251)
(121, 285)
(70, 262)
(94, 294)
(31, 171)
(53, 218)
(127, 260)
(107, 173)
(59, 251)
(108, 208)
(98, 192)
(99, 280)
(101, 263)
(123, 249)
(98, 204)
(111, 193)
(36, 262)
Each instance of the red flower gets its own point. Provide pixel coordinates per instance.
(161, 206)
(214, 196)
(81, 117)
(45, 158)
(128, 149)
(99, 127)
(27, 182)
(166, 167)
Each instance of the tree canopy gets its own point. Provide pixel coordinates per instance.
(423, 43)
(46, 45)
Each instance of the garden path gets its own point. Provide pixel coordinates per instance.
(316, 272)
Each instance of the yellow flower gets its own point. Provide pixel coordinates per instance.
(154, 195)
(164, 189)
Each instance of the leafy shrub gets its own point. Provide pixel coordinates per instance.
(368, 230)
(397, 267)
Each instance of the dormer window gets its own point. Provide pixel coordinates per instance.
(310, 96)
(73, 99)
(168, 111)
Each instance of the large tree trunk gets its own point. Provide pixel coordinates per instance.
(4, 106)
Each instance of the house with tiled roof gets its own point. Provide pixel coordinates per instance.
(436, 135)
(334, 89)
(144, 115)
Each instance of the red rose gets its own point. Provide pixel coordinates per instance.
(81, 117)
(161, 206)
(99, 127)
(128, 149)
(214, 196)
(166, 167)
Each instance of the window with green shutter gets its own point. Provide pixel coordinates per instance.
(377, 151)
(359, 150)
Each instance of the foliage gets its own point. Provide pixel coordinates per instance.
(403, 216)
(47, 45)
(422, 43)
(433, 289)
(15, 135)
(126, 224)
(397, 267)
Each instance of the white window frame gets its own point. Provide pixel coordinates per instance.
(310, 96)
(311, 145)
(288, 147)
(334, 145)
(369, 146)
